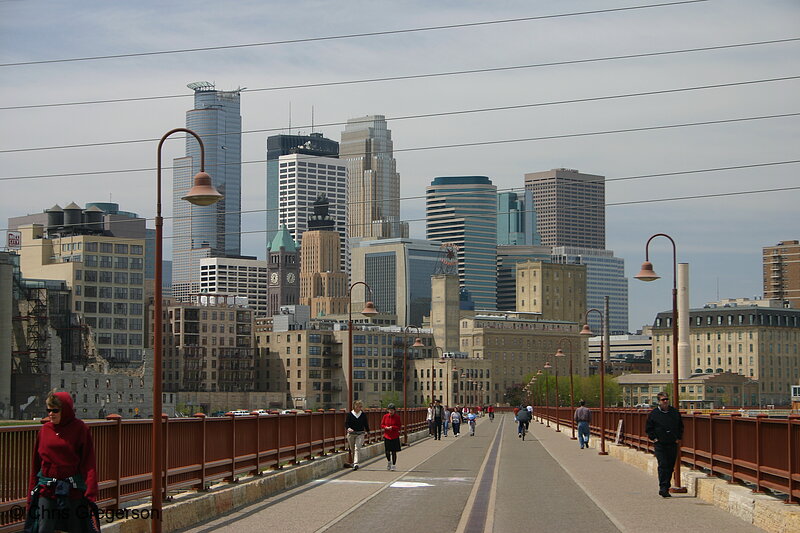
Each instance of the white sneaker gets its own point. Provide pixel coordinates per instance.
(391, 467)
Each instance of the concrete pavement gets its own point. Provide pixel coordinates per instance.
(490, 482)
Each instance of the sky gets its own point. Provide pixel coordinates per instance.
(721, 237)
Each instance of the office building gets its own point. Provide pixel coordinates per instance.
(508, 256)
(302, 179)
(700, 391)
(311, 146)
(373, 182)
(782, 272)
(399, 272)
(551, 290)
(245, 278)
(283, 271)
(214, 230)
(462, 210)
(323, 284)
(514, 226)
(569, 207)
(104, 272)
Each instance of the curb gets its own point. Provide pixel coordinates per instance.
(193, 508)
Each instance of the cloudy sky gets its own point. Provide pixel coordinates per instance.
(720, 236)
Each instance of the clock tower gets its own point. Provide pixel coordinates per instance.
(283, 269)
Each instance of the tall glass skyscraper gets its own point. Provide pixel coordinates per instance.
(463, 210)
(372, 180)
(210, 231)
(279, 145)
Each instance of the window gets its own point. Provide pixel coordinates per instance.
(136, 249)
(106, 247)
(120, 248)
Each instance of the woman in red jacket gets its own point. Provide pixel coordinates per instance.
(63, 470)
(391, 424)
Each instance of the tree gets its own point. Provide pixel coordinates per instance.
(391, 397)
(514, 395)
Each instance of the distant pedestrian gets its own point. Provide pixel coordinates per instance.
(429, 418)
(357, 427)
(438, 417)
(490, 410)
(391, 424)
(472, 419)
(455, 419)
(63, 478)
(665, 428)
(446, 421)
(583, 416)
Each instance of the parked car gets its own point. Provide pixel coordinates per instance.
(238, 412)
(259, 412)
(291, 411)
(218, 413)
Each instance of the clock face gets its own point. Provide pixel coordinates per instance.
(290, 277)
(273, 278)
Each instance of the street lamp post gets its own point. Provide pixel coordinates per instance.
(445, 361)
(417, 344)
(369, 309)
(558, 399)
(648, 274)
(202, 193)
(547, 366)
(539, 376)
(560, 353)
(588, 332)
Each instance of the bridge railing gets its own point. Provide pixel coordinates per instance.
(760, 451)
(198, 451)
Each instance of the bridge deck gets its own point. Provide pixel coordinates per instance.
(490, 482)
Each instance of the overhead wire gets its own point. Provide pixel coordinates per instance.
(346, 36)
(416, 76)
(439, 114)
(446, 146)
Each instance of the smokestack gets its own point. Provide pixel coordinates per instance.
(684, 352)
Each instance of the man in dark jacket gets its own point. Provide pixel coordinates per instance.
(665, 428)
(523, 420)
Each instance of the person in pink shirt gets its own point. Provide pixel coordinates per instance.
(391, 424)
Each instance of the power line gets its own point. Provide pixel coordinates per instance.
(510, 189)
(445, 146)
(439, 114)
(346, 36)
(418, 76)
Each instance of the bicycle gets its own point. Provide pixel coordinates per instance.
(524, 431)
(491, 416)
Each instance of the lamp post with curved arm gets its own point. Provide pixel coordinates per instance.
(369, 310)
(588, 332)
(202, 193)
(417, 344)
(560, 353)
(547, 366)
(648, 274)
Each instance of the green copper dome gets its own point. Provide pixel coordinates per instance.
(282, 240)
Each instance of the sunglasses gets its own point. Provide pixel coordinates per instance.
(664, 399)
(54, 411)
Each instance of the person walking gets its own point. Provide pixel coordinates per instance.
(455, 419)
(357, 427)
(391, 424)
(63, 471)
(438, 416)
(583, 417)
(472, 418)
(429, 418)
(665, 428)
(446, 421)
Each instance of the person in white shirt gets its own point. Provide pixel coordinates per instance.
(357, 428)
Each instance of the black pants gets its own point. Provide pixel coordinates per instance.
(437, 428)
(456, 427)
(72, 518)
(666, 454)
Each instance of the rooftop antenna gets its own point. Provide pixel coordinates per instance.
(290, 117)
(312, 119)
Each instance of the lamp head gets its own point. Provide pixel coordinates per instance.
(586, 330)
(647, 273)
(560, 353)
(369, 309)
(539, 372)
(547, 364)
(203, 192)
(417, 343)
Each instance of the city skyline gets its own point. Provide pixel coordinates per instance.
(721, 238)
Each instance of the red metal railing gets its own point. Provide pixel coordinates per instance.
(761, 451)
(198, 451)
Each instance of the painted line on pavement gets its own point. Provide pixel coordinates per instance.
(479, 509)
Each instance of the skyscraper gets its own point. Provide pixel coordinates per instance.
(323, 284)
(207, 231)
(373, 181)
(463, 210)
(277, 145)
(570, 207)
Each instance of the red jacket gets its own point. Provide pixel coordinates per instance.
(64, 450)
(391, 425)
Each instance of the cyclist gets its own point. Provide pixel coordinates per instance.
(524, 419)
(490, 410)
